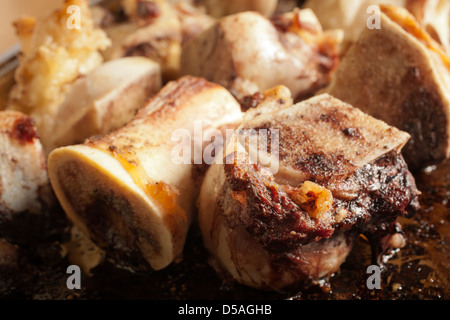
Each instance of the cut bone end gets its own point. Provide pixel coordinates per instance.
(102, 200)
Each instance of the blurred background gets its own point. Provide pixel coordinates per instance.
(12, 9)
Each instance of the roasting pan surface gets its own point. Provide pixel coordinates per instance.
(421, 270)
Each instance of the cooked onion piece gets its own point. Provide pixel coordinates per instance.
(277, 229)
(399, 74)
(125, 191)
(247, 53)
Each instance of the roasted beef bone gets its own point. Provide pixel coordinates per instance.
(340, 174)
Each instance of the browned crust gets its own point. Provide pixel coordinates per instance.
(18, 126)
(268, 212)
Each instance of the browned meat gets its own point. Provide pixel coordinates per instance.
(275, 215)
(340, 174)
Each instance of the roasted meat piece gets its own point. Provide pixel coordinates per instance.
(125, 190)
(400, 75)
(246, 53)
(285, 209)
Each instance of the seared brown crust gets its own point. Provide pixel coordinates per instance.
(270, 215)
(266, 211)
(24, 130)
